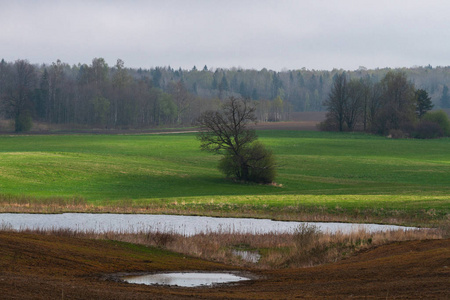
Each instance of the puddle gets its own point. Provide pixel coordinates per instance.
(250, 256)
(184, 279)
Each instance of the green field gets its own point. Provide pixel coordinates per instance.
(365, 176)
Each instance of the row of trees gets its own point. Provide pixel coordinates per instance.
(305, 90)
(94, 95)
(390, 106)
(107, 97)
(119, 97)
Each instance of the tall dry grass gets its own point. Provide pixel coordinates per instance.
(305, 247)
(28, 204)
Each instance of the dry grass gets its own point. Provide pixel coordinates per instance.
(28, 204)
(306, 247)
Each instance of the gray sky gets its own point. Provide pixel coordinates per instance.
(277, 35)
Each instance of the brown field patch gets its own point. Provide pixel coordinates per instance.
(59, 267)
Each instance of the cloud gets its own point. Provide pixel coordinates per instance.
(252, 34)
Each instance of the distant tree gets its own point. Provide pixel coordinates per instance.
(121, 82)
(227, 132)
(445, 99)
(100, 109)
(215, 83)
(337, 100)
(181, 97)
(354, 103)
(223, 86)
(18, 93)
(440, 118)
(366, 89)
(398, 101)
(374, 105)
(243, 90)
(255, 94)
(423, 102)
(277, 109)
(156, 77)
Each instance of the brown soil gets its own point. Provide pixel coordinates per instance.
(58, 267)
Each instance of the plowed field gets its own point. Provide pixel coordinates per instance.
(59, 267)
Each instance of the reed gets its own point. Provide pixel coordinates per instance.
(305, 247)
(29, 204)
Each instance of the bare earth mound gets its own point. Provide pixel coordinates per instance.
(58, 267)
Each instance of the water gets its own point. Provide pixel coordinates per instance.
(185, 225)
(185, 279)
(250, 256)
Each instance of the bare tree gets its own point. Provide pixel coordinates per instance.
(353, 104)
(398, 103)
(336, 101)
(228, 132)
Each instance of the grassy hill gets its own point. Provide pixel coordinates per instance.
(332, 174)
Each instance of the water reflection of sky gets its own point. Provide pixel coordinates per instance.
(184, 279)
(186, 225)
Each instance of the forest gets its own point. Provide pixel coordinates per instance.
(102, 96)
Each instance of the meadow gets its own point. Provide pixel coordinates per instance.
(321, 176)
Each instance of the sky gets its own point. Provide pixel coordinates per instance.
(248, 34)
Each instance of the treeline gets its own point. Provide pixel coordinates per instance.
(391, 106)
(97, 95)
(118, 97)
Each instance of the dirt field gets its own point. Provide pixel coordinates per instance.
(58, 267)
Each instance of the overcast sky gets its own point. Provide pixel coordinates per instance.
(276, 35)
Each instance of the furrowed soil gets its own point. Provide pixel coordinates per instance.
(36, 266)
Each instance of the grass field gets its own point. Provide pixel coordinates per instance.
(329, 176)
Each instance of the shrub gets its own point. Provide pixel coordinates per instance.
(428, 130)
(396, 134)
(439, 117)
(306, 235)
(259, 164)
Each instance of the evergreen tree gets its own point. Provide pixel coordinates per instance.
(445, 99)
(423, 103)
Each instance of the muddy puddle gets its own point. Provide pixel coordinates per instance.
(185, 279)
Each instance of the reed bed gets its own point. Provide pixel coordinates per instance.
(29, 204)
(305, 247)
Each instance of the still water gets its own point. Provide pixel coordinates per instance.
(185, 225)
(184, 279)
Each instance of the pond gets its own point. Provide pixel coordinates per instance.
(185, 225)
(191, 279)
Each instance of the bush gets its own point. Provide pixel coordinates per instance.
(439, 117)
(262, 164)
(259, 164)
(306, 236)
(428, 130)
(396, 134)
(327, 125)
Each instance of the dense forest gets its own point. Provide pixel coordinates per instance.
(103, 96)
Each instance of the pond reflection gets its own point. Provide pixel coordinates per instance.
(191, 279)
(185, 225)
